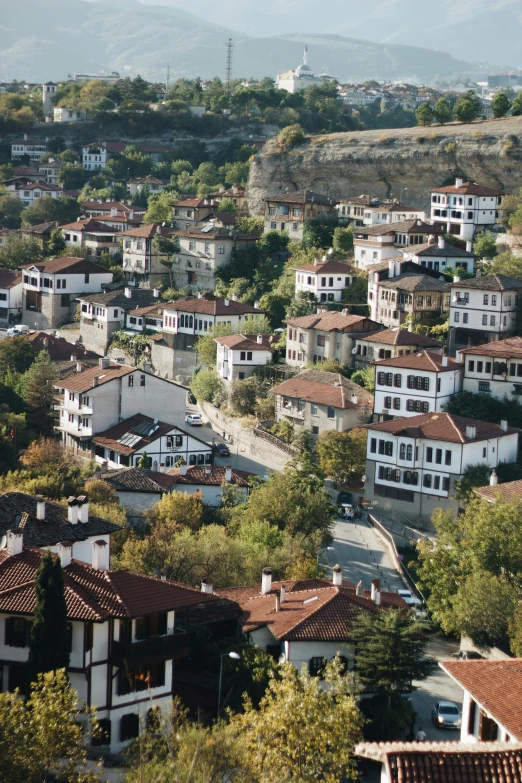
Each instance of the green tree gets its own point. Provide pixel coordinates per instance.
(176, 510)
(424, 114)
(516, 106)
(442, 111)
(47, 209)
(250, 225)
(206, 385)
(19, 251)
(365, 377)
(343, 240)
(485, 245)
(467, 107)
(243, 396)
(167, 246)
(37, 389)
(16, 355)
(317, 744)
(144, 462)
(342, 453)
(159, 209)
(11, 208)
(484, 607)
(226, 205)
(473, 476)
(500, 105)
(291, 136)
(49, 637)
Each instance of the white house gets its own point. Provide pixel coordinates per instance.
(124, 632)
(372, 211)
(103, 314)
(326, 280)
(94, 236)
(380, 274)
(374, 244)
(32, 191)
(413, 463)
(482, 309)
(32, 148)
(151, 184)
(129, 440)
(303, 77)
(63, 114)
(187, 213)
(390, 343)
(10, 296)
(495, 368)
(416, 383)
(96, 155)
(326, 335)
(492, 697)
(99, 207)
(94, 400)
(289, 211)
(441, 255)
(50, 288)
(209, 481)
(50, 171)
(465, 207)
(198, 315)
(238, 355)
(203, 251)
(322, 401)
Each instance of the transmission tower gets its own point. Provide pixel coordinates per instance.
(229, 46)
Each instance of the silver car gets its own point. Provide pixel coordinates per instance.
(446, 715)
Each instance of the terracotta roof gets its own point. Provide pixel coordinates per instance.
(88, 224)
(326, 267)
(413, 282)
(411, 226)
(302, 197)
(43, 186)
(468, 189)
(154, 309)
(226, 218)
(108, 205)
(209, 304)
(495, 685)
(144, 428)
(432, 249)
(139, 480)
(509, 491)
(425, 360)
(58, 348)
(446, 762)
(490, 283)
(18, 511)
(243, 342)
(511, 348)
(332, 322)
(9, 278)
(147, 232)
(196, 203)
(117, 298)
(110, 146)
(96, 595)
(83, 380)
(69, 264)
(211, 476)
(400, 337)
(41, 228)
(325, 388)
(25, 171)
(442, 426)
(215, 233)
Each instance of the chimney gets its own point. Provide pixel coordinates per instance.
(208, 470)
(391, 268)
(256, 305)
(40, 507)
(227, 302)
(15, 542)
(234, 297)
(444, 361)
(183, 470)
(155, 293)
(266, 581)
(377, 597)
(354, 399)
(72, 510)
(25, 137)
(228, 473)
(504, 425)
(337, 575)
(316, 261)
(128, 293)
(131, 215)
(459, 182)
(283, 593)
(493, 479)
(45, 342)
(442, 243)
(78, 366)
(471, 431)
(105, 363)
(456, 279)
(94, 383)
(260, 339)
(359, 590)
(469, 247)
(73, 358)
(200, 295)
(376, 588)
(277, 602)
(478, 273)
(83, 508)
(207, 585)
(65, 553)
(114, 211)
(100, 555)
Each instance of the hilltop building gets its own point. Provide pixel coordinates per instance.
(301, 78)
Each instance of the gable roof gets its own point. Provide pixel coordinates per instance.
(395, 336)
(9, 278)
(302, 197)
(326, 267)
(139, 480)
(432, 249)
(468, 189)
(333, 321)
(140, 297)
(490, 283)
(495, 685)
(244, 342)
(58, 348)
(410, 226)
(510, 348)
(146, 232)
(136, 432)
(509, 491)
(446, 762)
(324, 388)
(88, 224)
(425, 360)
(196, 203)
(208, 304)
(442, 426)
(67, 264)
(18, 512)
(83, 381)
(108, 205)
(211, 476)
(412, 282)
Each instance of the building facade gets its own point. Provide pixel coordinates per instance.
(326, 335)
(324, 280)
(494, 368)
(238, 355)
(465, 208)
(289, 211)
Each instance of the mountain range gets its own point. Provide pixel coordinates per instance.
(47, 39)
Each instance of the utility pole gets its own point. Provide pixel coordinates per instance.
(168, 79)
(229, 46)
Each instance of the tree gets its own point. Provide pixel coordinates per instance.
(176, 510)
(342, 453)
(516, 106)
(250, 225)
(343, 240)
(484, 608)
(37, 389)
(47, 209)
(11, 208)
(485, 245)
(226, 205)
(19, 251)
(206, 385)
(473, 476)
(467, 107)
(159, 209)
(500, 105)
(316, 744)
(365, 377)
(49, 637)
(424, 114)
(390, 652)
(243, 396)
(16, 355)
(291, 136)
(167, 246)
(43, 734)
(47, 455)
(442, 111)
(144, 462)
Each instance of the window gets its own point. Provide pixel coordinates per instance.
(316, 666)
(65, 300)
(480, 366)
(484, 320)
(429, 454)
(402, 451)
(320, 340)
(409, 453)
(488, 367)
(471, 366)
(465, 318)
(438, 456)
(411, 382)
(389, 379)
(410, 477)
(17, 632)
(129, 726)
(397, 380)
(387, 402)
(388, 448)
(131, 380)
(445, 483)
(447, 458)
(492, 320)
(427, 480)
(221, 250)
(314, 411)
(315, 430)
(373, 445)
(436, 482)
(494, 300)
(331, 412)
(249, 356)
(486, 299)
(397, 403)
(483, 386)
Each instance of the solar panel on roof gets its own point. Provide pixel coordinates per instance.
(206, 229)
(129, 439)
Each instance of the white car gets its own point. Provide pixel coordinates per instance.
(194, 419)
(18, 329)
(409, 598)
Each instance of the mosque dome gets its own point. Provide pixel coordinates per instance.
(303, 70)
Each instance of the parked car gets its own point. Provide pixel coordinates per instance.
(467, 655)
(409, 598)
(18, 329)
(446, 715)
(221, 449)
(194, 419)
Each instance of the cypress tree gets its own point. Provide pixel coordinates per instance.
(49, 636)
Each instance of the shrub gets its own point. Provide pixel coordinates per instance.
(206, 385)
(450, 148)
(291, 136)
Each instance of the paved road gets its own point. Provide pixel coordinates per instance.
(438, 686)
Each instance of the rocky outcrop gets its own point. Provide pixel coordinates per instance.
(384, 162)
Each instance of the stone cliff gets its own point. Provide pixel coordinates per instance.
(384, 162)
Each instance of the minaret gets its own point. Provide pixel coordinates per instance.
(305, 55)
(48, 92)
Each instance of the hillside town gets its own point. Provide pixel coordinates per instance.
(260, 472)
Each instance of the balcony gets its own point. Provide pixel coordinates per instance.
(292, 411)
(153, 650)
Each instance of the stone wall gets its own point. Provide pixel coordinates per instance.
(96, 335)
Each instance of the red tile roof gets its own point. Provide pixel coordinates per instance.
(58, 348)
(495, 685)
(327, 268)
(335, 322)
(211, 476)
(108, 205)
(112, 437)
(9, 278)
(468, 189)
(83, 381)
(244, 342)
(442, 426)
(302, 197)
(88, 224)
(324, 388)
(508, 492)
(197, 202)
(511, 348)
(209, 304)
(67, 264)
(400, 337)
(425, 360)
(147, 232)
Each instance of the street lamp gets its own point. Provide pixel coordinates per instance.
(401, 191)
(324, 549)
(235, 657)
